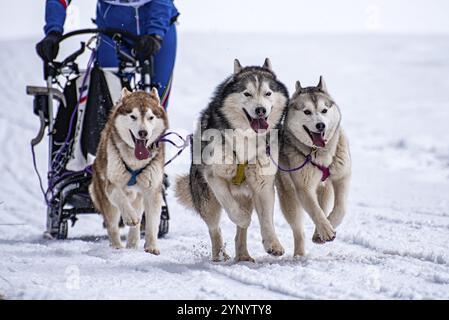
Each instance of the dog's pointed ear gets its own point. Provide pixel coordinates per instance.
(155, 94)
(237, 66)
(267, 64)
(298, 87)
(125, 92)
(322, 85)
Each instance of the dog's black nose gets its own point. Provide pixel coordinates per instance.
(143, 134)
(261, 111)
(320, 126)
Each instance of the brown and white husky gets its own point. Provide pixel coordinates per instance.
(128, 169)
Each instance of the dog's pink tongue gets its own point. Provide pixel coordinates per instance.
(140, 150)
(318, 139)
(259, 124)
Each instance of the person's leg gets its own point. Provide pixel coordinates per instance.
(117, 17)
(164, 62)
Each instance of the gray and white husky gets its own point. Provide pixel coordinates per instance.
(312, 135)
(250, 103)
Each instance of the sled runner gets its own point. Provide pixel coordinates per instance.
(73, 108)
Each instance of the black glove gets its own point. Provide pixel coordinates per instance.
(48, 47)
(148, 45)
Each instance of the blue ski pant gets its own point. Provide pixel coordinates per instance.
(163, 62)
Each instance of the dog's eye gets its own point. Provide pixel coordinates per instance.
(151, 118)
(324, 111)
(307, 112)
(247, 94)
(133, 117)
(268, 94)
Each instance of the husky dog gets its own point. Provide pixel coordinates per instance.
(252, 100)
(312, 136)
(128, 168)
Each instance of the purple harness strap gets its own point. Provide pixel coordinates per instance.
(325, 170)
(185, 143)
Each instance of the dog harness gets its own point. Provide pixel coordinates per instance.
(162, 138)
(240, 174)
(324, 170)
(134, 174)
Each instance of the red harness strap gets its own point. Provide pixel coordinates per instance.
(325, 170)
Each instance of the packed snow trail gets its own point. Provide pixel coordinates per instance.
(393, 243)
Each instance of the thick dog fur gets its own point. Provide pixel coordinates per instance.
(209, 188)
(304, 188)
(109, 190)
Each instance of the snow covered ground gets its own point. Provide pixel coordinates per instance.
(393, 244)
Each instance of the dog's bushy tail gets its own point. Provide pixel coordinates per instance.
(194, 193)
(183, 192)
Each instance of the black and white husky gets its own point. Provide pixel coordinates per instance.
(228, 170)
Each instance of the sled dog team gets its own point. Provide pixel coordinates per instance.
(310, 157)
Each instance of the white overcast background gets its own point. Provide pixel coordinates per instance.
(25, 18)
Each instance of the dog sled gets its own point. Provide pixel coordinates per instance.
(72, 109)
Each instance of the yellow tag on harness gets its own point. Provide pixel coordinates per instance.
(240, 174)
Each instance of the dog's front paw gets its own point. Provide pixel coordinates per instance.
(240, 217)
(316, 238)
(144, 181)
(130, 220)
(274, 248)
(324, 232)
(153, 249)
